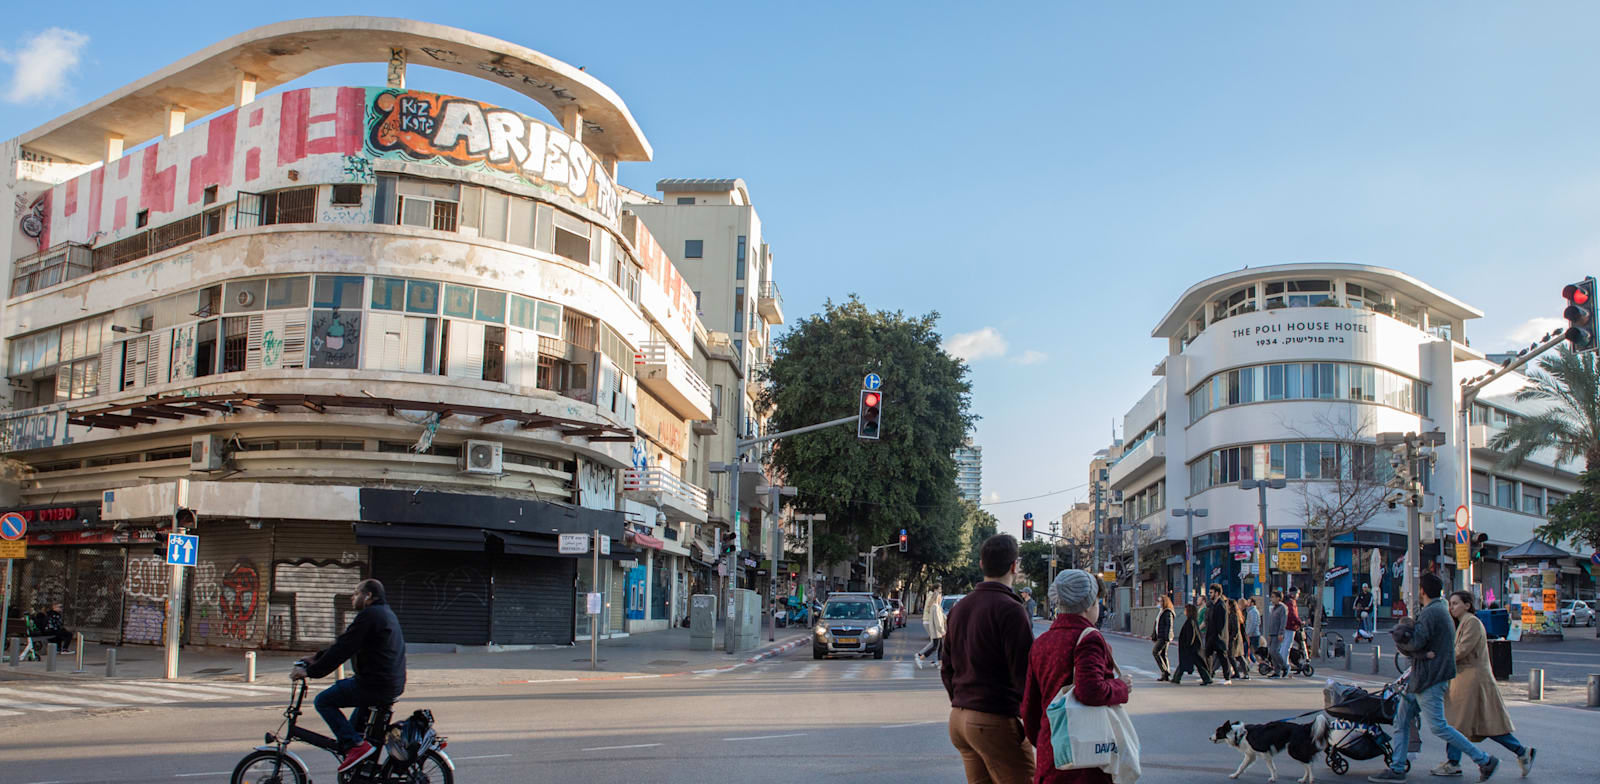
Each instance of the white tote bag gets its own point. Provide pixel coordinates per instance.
(1093, 736)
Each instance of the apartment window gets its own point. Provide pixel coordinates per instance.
(339, 292)
(346, 195)
(683, 200)
(429, 205)
(572, 240)
(205, 348)
(739, 251)
(1298, 293)
(1505, 493)
(494, 354)
(292, 205)
(141, 219)
(1480, 489)
(1233, 303)
(694, 249)
(1533, 499)
(697, 302)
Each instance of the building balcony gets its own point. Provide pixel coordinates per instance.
(669, 377)
(679, 500)
(1149, 452)
(770, 303)
(707, 427)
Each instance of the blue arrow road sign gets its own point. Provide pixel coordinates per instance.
(871, 382)
(183, 549)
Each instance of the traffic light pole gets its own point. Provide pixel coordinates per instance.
(1470, 388)
(736, 470)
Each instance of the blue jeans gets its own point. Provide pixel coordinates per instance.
(1430, 703)
(344, 694)
(1507, 740)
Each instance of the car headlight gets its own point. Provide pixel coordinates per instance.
(821, 631)
(874, 631)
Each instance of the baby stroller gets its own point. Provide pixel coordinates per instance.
(1356, 718)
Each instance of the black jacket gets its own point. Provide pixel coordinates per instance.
(1164, 626)
(379, 649)
(1216, 634)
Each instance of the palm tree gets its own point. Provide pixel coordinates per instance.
(1570, 382)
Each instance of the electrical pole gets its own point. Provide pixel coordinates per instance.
(1411, 450)
(775, 549)
(1188, 514)
(811, 583)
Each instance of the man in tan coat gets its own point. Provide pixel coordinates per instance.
(1473, 705)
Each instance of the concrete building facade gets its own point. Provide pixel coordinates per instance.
(1290, 372)
(969, 472)
(358, 331)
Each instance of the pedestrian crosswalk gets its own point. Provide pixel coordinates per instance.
(22, 697)
(833, 670)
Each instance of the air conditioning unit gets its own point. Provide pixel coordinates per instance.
(206, 453)
(482, 457)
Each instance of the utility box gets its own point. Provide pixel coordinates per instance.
(702, 622)
(746, 619)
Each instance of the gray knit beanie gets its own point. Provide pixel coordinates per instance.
(1074, 591)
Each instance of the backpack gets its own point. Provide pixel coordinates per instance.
(407, 738)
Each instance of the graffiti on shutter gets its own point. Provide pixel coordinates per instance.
(254, 335)
(183, 349)
(311, 601)
(144, 593)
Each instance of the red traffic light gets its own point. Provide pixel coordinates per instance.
(871, 398)
(1576, 293)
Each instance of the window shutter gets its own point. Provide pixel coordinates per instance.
(294, 340)
(64, 381)
(254, 335)
(459, 357)
(110, 367)
(158, 370)
(415, 344)
(134, 361)
(474, 333)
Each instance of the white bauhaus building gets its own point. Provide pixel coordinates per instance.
(1290, 372)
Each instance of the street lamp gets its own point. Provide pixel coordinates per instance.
(1188, 514)
(1261, 486)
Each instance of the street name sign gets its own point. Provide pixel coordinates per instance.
(573, 544)
(183, 549)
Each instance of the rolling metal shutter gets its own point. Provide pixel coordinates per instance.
(227, 589)
(533, 600)
(315, 567)
(144, 597)
(438, 595)
(95, 608)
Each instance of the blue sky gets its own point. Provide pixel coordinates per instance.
(1053, 175)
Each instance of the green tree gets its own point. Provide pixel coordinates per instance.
(870, 490)
(1569, 383)
(1036, 564)
(979, 526)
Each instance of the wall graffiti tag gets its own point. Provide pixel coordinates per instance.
(441, 129)
(35, 223)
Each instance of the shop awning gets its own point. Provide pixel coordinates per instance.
(646, 540)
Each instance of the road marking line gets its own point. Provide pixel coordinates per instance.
(805, 671)
(484, 756)
(66, 699)
(207, 773)
(912, 724)
(769, 737)
(181, 693)
(10, 713)
(617, 748)
(904, 672)
(120, 694)
(852, 673)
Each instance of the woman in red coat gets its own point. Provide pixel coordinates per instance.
(1057, 660)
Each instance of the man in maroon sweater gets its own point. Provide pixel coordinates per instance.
(985, 666)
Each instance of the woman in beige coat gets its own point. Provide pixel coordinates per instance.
(1474, 706)
(933, 624)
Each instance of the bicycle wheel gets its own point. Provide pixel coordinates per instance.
(431, 769)
(266, 767)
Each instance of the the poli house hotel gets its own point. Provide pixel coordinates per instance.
(374, 331)
(1291, 372)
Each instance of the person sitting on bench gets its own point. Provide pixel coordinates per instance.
(52, 626)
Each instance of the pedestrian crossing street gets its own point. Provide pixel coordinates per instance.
(829, 670)
(22, 697)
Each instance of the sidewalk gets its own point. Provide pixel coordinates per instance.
(654, 654)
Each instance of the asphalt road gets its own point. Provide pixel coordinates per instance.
(789, 718)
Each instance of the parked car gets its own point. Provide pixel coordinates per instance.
(950, 601)
(1576, 613)
(850, 624)
(897, 612)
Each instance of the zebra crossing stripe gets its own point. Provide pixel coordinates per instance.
(75, 701)
(124, 695)
(186, 691)
(904, 672)
(805, 671)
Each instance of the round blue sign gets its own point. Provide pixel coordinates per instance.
(872, 381)
(13, 526)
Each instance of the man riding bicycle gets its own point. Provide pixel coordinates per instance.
(379, 650)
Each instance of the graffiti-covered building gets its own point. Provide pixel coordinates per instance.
(358, 331)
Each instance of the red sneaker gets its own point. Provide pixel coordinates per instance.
(355, 755)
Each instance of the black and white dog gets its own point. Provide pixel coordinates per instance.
(1302, 741)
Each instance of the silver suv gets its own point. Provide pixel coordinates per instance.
(850, 624)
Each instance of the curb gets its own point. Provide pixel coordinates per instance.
(777, 650)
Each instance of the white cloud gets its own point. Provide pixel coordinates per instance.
(1535, 328)
(1031, 357)
(40, 67)
(993, 497)
(973, 346)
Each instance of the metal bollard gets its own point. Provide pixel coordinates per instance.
(1594, 691)
(16, 650)
(1377, 651)
(111, 662)
(339, 675)
(50, 657)
(1535, 684)
(1350, 658)
(77, 652)
(250, 667)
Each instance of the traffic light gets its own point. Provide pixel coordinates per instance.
(160, 543)
(1582, 318)
(867, 421)
(905, 541)
(1027, 527)
(1478, 543)
(730, 542)
(183, 519)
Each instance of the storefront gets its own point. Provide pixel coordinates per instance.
(76, 560)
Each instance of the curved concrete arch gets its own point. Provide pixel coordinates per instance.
(204, 82)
